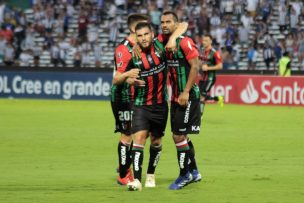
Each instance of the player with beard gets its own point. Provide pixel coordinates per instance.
(122, 97)
(183, 65)
(150, 108)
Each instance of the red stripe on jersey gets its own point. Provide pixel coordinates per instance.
(154, 56)
(162, 38)
(205, 55)
(150, 90)
(160, 87)
(217, 57)
(132, 92)
(145, 60)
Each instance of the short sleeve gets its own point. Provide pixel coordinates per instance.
(122, 58)
(189, 48)
(217, 57)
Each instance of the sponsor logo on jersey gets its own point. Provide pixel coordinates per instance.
(150, 59)
(120, 64)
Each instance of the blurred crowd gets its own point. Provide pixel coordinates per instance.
(249, 31)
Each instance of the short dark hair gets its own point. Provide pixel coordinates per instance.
(208, 35)
(135, 18)
(175, 18)
(143, 25)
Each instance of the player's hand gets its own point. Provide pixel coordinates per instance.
(204, 67)
(183, 99)
(133, 73)
(136, 51)
(136, 82)
(139, 83)
(171, 46)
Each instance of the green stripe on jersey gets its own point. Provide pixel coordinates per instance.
(184, 79)
(183, 148)
(113, 90)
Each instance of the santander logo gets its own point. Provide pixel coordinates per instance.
(257, 89)
(249, 95)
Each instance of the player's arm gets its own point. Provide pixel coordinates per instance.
(122, 77)
(122, 59)
(136, 51)
(135, 82)
(218, 61)
(184, 96)
(191, 54)
(181, 29)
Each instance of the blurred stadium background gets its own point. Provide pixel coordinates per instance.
(251, 34)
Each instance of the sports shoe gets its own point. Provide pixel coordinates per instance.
(221, 101)
(181, 181)
(150, 180)
(123, 181)
(135, 185)
(196, 176)
(130, 174)
(128, 178)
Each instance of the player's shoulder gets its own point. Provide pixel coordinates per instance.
(185, 38)
(215, 51)
(161, 37)
(187, 43)
(157, 42)
(124, 45)
(122, 49)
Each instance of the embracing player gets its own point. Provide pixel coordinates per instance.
(122, 97)
(150, 109)
(183, 65)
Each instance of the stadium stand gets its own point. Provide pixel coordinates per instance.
(251, 34)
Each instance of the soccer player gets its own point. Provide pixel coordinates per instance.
(121, 98)
(211, 62)
(150, 109)
(183, 66)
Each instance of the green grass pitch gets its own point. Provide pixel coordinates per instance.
(66, 151)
